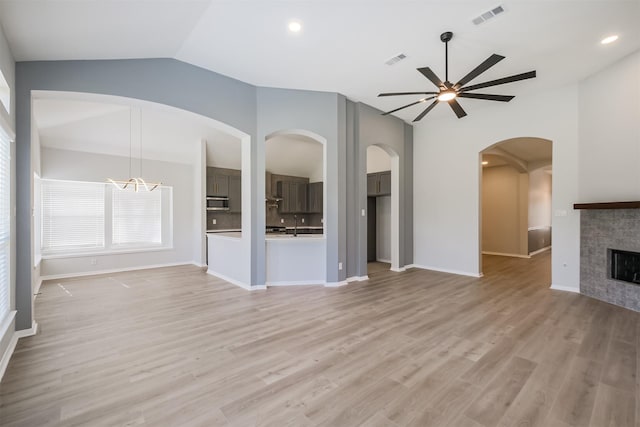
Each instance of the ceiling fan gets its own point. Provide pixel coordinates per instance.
(448, 92)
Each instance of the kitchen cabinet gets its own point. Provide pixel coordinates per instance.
(293, 195)
(218, 185)
(314, 195)
(379, 184)
(235, 194)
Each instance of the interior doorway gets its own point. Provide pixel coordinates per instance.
(515, 202)
(379, 202)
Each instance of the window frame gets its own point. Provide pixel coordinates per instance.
(166, 202)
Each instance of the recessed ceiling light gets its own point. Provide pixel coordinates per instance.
(485, 162)
(609, 39)
(295, 26)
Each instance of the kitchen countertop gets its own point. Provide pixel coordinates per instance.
(228, 230)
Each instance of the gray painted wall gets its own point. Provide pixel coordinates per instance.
(257, 112)
(390, 133)
(164, 81)
(320, 113)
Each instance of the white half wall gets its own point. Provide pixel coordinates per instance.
(56, 164)
(447, 179)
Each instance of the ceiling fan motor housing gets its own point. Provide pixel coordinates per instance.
(446, 36)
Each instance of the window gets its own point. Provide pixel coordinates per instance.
(5, 226)
(137, 218)
(86, 217)
(72, 216)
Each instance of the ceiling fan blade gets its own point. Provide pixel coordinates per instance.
(503, 98)
(406, 93)
(488, 63)
(504, 80)
(457, 108)
(426, 71)
(408, 105)
(426, 110)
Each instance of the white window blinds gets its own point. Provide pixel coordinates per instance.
(72, 215)
(5, 225)
(136, 218)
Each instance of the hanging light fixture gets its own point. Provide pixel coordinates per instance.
(135, 183)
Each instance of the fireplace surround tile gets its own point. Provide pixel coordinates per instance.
(601, 230)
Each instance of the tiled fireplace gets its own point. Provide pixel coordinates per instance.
(610, 255)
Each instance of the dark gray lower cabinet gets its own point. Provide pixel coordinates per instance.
(379, 183)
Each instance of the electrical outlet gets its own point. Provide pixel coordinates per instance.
(321, 220)
(339, 266)
(214, 221)
(303, 220)
(94, 261)
(281, 220)
(364, 213)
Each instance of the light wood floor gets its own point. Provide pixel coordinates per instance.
(175, 347)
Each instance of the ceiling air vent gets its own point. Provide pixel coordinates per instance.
(399, 57)
(488, 15)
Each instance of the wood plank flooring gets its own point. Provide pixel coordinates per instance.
(176, 347)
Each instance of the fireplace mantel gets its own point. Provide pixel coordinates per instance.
(607, 205)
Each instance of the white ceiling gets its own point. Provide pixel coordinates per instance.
(533, 152)
(343, 45)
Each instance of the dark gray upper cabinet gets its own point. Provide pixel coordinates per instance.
(217, 183)
(301, 197)
(235, 194)
(314, 197)
(385, 183)
(372, 184)
(293, 195)
(379, 183)
(283, 192)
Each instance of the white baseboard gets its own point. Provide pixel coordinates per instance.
(506, 254)
(6, 357)
(398, 270)
(336, 284)
(238, 283)
(388, 261)
(113, 270)
(565, 288)
(444, 270)
(357, 279)
(297, 283)
(36, 291)
(539, 251)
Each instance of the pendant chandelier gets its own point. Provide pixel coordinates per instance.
(136, 183)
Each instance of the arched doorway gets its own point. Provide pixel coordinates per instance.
(515, 199)
(382, 171)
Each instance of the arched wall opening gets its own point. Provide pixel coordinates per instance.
(377, 189)
(515, 210)
(193, 149)
(296, 219)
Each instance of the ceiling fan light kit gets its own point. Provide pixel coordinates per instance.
(448, 92)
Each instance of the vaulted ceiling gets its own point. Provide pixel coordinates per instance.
(343, 44)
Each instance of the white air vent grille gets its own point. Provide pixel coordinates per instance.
(399, 57)
(488, 15)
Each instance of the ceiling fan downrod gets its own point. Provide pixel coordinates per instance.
(445, 38)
